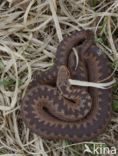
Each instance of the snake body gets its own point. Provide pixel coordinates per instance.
(53, 109)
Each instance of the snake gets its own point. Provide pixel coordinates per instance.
(54, 109)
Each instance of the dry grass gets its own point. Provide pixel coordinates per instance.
(29, 35)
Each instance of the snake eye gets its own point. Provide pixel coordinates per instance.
(63, 76)
(66, 83)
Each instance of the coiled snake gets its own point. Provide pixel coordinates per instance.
(53, 109)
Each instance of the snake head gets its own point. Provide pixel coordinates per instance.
(62, 77)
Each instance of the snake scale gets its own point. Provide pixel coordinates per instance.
(55, 110)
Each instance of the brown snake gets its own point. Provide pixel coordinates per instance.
(53, 109)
